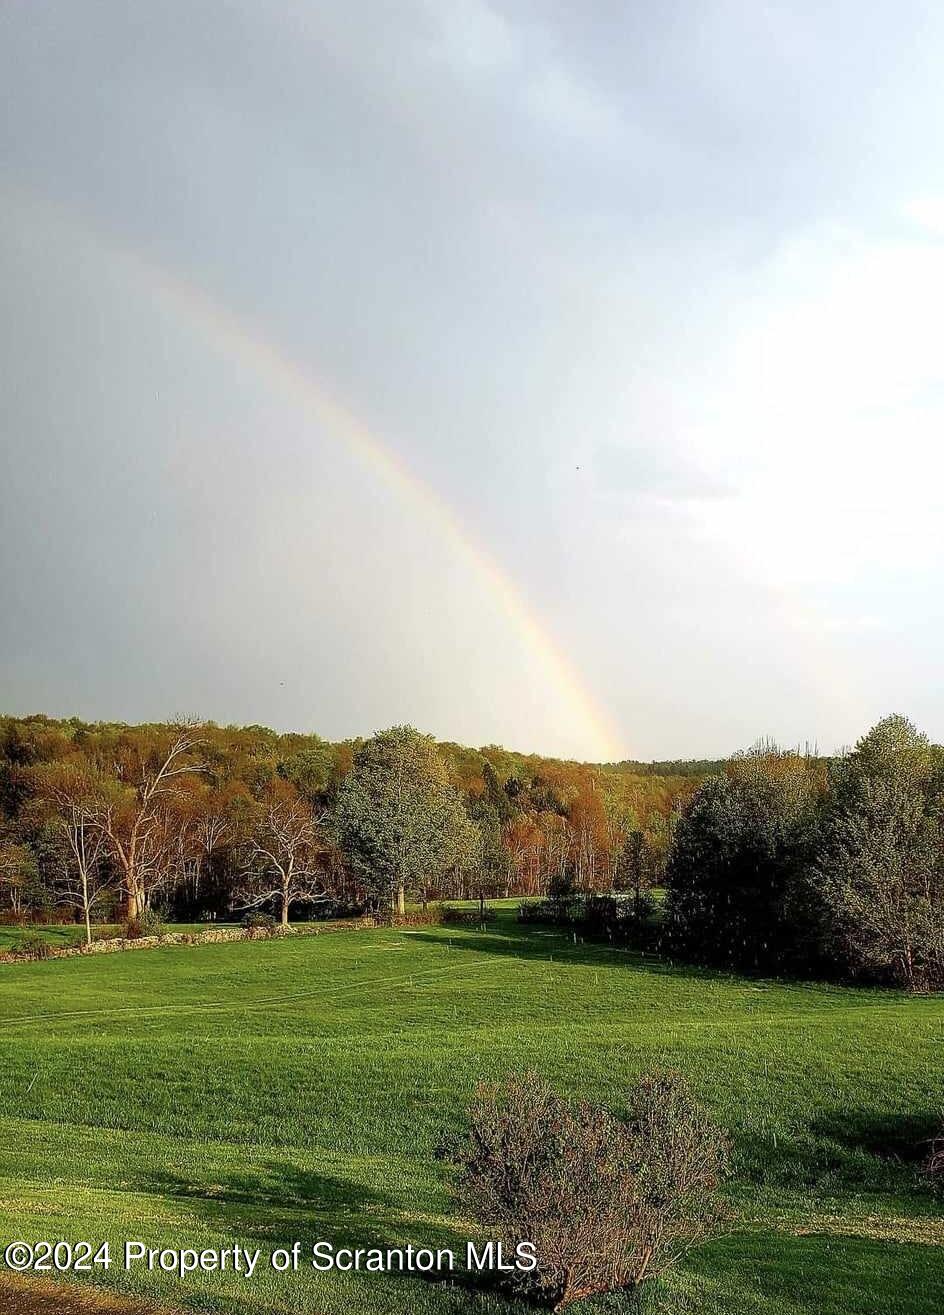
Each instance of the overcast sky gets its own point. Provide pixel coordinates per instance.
(568, 376)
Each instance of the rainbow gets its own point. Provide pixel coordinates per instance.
(227, 334)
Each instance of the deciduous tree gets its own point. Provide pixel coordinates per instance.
(878, 878)
(135, 818)
(399, 821)
(737, 858)
(283, 855)
(77, 795)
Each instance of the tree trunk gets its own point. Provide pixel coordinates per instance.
(401, 900)
(565, 1292)
(85, 907)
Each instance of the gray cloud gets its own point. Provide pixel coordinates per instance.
(514, 240)
(659, 470)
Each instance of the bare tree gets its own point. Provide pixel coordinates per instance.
(172, 856)
(87, 880)
(137, 823)
(215, 826)
(283, 858)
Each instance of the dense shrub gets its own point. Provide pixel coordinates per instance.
(431, 916)
(629, 919)
(258, 925)
(533, 910)
(32, 946)
(330, 910)
(618, 917)
(457, 917)
(147, 923)
(607, 1202)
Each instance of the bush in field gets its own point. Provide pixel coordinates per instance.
(625, 918)
(431, 916)
(258, 925)
(32, 946)
(147, 923)
(452, 916)
(629, 919)
(608, 1203)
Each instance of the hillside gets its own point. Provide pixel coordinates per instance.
(267, 1092)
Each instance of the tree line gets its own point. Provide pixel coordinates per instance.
(775, 861)
(786, 862)
(102, 822)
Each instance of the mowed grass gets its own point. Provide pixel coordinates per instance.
(267, 1092)
(59, 935)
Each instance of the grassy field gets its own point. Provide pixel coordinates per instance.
(59, 935)
(272, 1091)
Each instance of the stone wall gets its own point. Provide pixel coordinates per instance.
(212, 936)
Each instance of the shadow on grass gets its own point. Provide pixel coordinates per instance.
(828, 1275)
(280, 1200)
(845, 1148)
(507, 936)
(899, 1138)
(21, 1295)
(280, 1204)
(756, 1273)
(542, 943)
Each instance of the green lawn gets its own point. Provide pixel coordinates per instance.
(60, 936)
(265, 1092)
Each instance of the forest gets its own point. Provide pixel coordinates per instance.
(108, 822)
